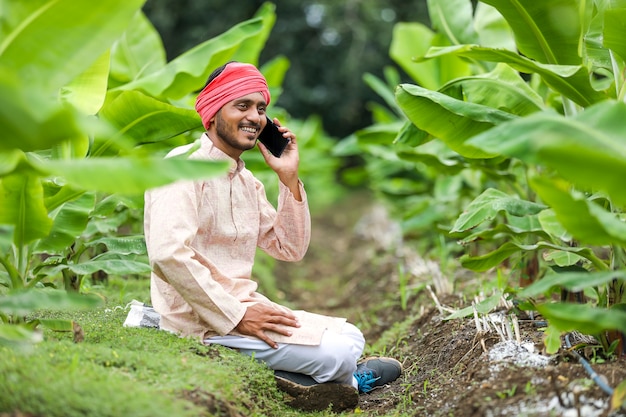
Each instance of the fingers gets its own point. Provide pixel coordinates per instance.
(287, 134)
(267, 339)
(263, 149)
(260, 318)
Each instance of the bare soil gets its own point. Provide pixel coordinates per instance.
(450, 369)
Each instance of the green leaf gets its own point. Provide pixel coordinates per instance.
(584, 318)
(450, 120)
(585, 220)
(274, 72)
(131, 175)
(594, 54)
(9, 160)
(485, 262)
(139, 51)
(587, 149)
(87, 91)
(143, 119)
(30, 121)
(383, 90)
(487, 205)
(484, 307)
(502, 89)
(251, 48)
(26, 302)
(552, 339)
(546, 31)
(570, 80)
(433, 154)
(110, 266)
(379, 134)
(453, 18)
(618, 399)
(68, 224)
(125, 245)
(75, 147)
(514, 226)
(562, 258)
(412, 40)
(493, 30)
(50, 42)
(112, 204)
(410, 135)
(614, 29)
(572, 281)
(21, 199)
(550, 224)
(18, 336)
(494, 258)
(188, 72)
(527, 223)
(55, 199)
(57, 325)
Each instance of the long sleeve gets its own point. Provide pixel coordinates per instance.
(284, 233)
(171, 227)
(202, 238)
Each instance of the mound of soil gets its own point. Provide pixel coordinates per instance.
(450, 368)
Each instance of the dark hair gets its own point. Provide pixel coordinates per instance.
(217, 71)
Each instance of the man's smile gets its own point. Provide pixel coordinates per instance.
(250, 129)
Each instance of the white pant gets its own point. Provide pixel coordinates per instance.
(334, 359)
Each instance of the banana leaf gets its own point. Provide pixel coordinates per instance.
(131, 175)
(585, 220)
(412, 40)
(453, 18)
(584, 318)
(22, 303)
(50, 42)
(570, 80)
(450, 120)
(139, 51)
(21, 199)
(189, 71)
(545, 31)
(487, 205)
(572, 281)
(587, 149)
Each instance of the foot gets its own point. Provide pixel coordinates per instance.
(307, 395)
(375, 372)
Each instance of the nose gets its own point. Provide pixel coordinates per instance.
(254, 115)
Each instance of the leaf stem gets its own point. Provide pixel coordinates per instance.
(16, 281)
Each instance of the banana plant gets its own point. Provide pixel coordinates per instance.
(535, 111)
(569, 146)
(88, 113)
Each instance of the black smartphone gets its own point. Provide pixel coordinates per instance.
(273, 139)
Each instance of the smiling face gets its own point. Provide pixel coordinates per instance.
(237, 125)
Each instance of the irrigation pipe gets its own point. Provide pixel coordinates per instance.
(592, 374)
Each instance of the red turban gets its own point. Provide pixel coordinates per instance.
(236, 80)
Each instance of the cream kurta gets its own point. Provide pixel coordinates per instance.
(202, 237)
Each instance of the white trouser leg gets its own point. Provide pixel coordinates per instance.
(334, 359)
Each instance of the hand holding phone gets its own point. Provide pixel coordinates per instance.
(273, 139)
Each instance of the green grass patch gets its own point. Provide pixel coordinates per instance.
(117, 371)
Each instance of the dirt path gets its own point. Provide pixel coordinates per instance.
(351, 270)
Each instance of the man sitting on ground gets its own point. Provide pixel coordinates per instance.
(202, 237)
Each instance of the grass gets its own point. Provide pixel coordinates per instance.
(118, 371)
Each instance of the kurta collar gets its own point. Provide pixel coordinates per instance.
(235, 166)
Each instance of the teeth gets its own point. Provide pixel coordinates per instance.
(249, 129)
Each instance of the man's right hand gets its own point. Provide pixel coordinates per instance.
(261, 317)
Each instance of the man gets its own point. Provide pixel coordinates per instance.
(202, 237)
